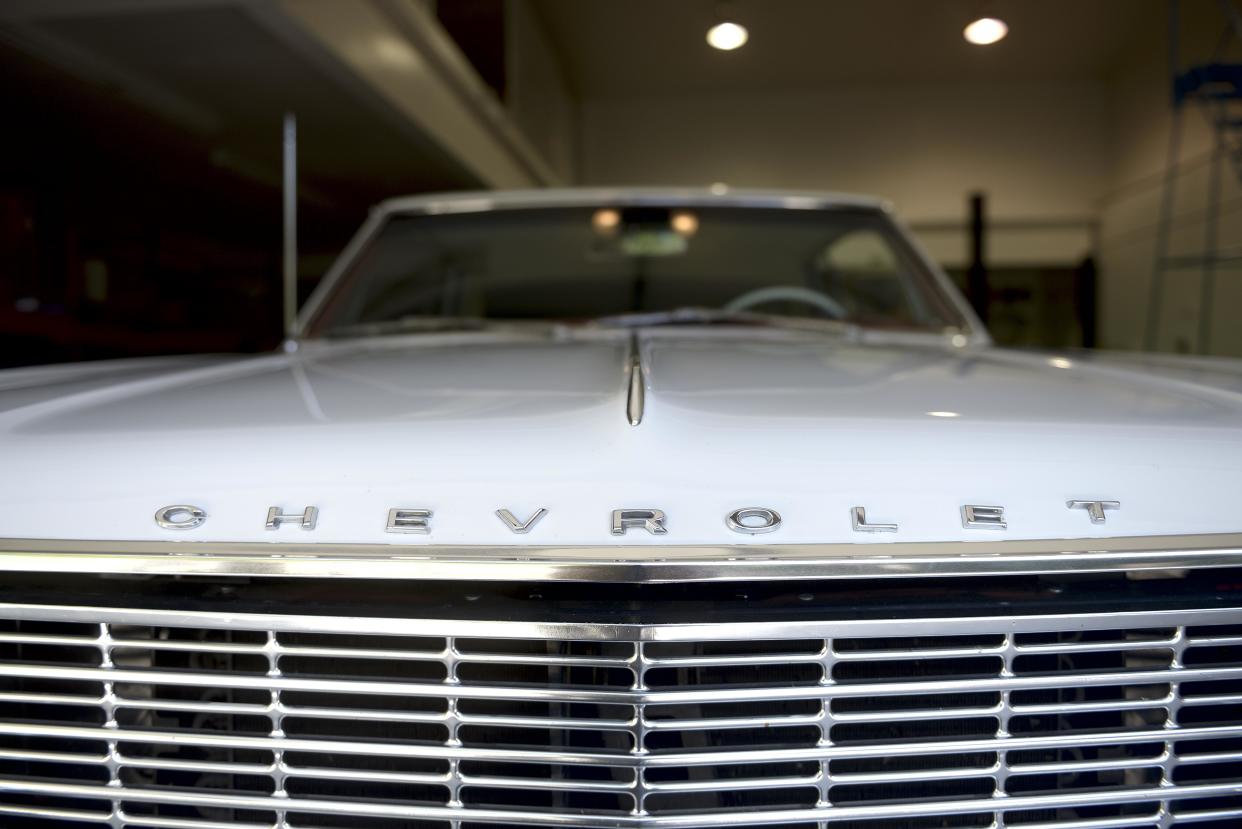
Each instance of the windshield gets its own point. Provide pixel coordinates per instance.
(593, 264)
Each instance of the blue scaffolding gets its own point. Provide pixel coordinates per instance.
(1215, 88)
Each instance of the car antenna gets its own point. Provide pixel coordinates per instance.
(289, 263)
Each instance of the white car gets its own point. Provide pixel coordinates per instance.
(624, 508)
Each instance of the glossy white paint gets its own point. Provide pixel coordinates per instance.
(807, 424)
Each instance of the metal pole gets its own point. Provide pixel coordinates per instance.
(977, 274)
(1167, 199)
(1085, 298)
(1210, 230)
(1160, 263)
(1233, 16)
(290, 193)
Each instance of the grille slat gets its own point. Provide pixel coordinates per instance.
(67, 814)
(732, 722)
(679, 821)
(1084, 766)
(718, 758)
(1213, 757)
(726, 661)
(839, 690)
(1100, 823)
(557, 785)
(136, 718)
(184, 765)
(364, 775)
(916, 776)
(725, 785)
(1221, 641)
(905, 715)
(1094, 707)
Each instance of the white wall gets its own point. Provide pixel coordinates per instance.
(538, 98)
(1070, 168)
(1039, 151)
(1130, 208)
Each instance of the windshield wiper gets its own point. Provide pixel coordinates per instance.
(712, 316)
(424, 323)
(420, 323)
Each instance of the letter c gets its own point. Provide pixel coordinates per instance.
(180, 517)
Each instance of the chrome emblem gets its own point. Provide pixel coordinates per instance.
(409, 521)
(651, 520)
(1095, 509)
(975, 517)
(744, 520)
(180, 517)
(306, 518)
(521, 527)
(858, 519)
(753, 520)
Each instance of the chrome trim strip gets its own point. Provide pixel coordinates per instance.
(740, 757)
(614, 760)
(741, 817)
(617, 697)
(592, 632)
(647, 564)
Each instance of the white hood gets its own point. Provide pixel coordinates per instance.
(465, 424)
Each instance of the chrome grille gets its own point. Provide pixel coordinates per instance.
(138, 718)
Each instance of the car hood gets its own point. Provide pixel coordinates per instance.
(809, 425)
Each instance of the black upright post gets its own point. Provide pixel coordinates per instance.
(1085, 288)
(977, 276)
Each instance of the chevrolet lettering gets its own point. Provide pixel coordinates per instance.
(747, 520)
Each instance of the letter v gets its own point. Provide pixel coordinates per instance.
(518, 526)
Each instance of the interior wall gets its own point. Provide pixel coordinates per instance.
(538, 98)
(1140, 116)
(1039, 152)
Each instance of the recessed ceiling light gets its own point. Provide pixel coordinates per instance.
(727, 36)
(985, 31)
(944, 414)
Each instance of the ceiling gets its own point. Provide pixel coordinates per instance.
(224, 75)
(226, 70)
(646, 47)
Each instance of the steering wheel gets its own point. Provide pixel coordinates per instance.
(794, 293)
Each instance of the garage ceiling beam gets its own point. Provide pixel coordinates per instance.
(43, 10)
(395, 55)
(392, 55)
(20, 30)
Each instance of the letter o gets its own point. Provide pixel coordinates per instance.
(180, 517)
(754, 520)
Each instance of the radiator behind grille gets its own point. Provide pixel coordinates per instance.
(135, 718)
